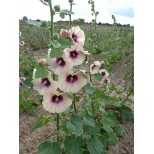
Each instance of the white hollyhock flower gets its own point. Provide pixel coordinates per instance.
(56, 102)
(94, 68)
(21, 79)
(76, 54)
(105, 80)
(77, 35)
(104, 73)
(71, 82)
(59, 65)
(21, 43)
(44, 85)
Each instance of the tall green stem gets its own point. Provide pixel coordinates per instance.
(74, 105)
(51, 26)
(89, 70)
(95, 22)
(58, 127)
(70, 16)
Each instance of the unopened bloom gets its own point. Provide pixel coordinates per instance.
(104, 73)
(56, 102)
(44, 85)
(42, 62)
(21, 43)
(76, 54)
(106, 80)
(64, 33)
(94, 68)
(72, 82)
(77, 35)
(59, 65)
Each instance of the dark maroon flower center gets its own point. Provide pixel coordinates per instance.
(20, 83)
(74, 54)
(72, 78)
(57, 99)
(103, 73)
(93, 66)
(75, 37)
(46, 82)
(105, 81)
(60, 62)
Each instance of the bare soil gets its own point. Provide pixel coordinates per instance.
(29, 139)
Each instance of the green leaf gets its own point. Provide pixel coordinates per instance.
(119, 130)
(73, 145)
(66, 12)
(56, 52)
(49, 147)
(41, 71)
(45, 147)
(42, 120)
(89, 89)
(56, 44)
(86, 104)
(64, 43)
(62, 15)
(88, 120)
(107, 128)
(126, 113)
(98, 76)
(112, 139)
(94, 145)
(92, 130)
(28, 81)
(109, 120)
(75, 124)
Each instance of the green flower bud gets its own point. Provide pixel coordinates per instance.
(70, 1)
(57, 8)
(56, 36)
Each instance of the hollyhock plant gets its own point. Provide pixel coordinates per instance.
(72, 82)
(94, 68)
(104, 73)
(44, 85)
(76, 54)
(59, 65)
(56, 102)
(77, 35)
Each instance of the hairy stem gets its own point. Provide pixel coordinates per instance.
(74, 105)
(89, 70)
(51, 26)
(58, 127)
(70, 16)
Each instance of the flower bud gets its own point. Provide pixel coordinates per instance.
(64, 33)
(56, 36)
(70, 1)
(42, 62)
(57, 8)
